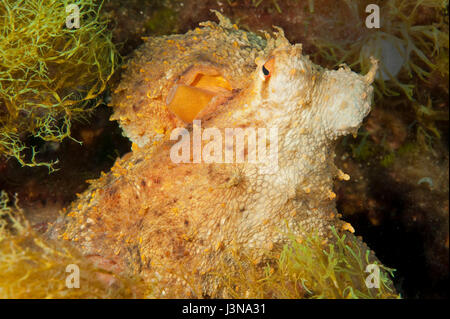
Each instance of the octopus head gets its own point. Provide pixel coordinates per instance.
(331, 102)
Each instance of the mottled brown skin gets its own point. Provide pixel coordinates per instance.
(152, 217)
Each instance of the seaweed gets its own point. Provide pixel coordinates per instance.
(32, 266)
(50, 75)
(308, 267)
(413, 34)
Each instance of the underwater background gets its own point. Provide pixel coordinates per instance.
(55, 132)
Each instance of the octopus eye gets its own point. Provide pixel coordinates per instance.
(267, 68)
(265, 71)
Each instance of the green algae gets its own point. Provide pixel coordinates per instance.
(309, 268)
(417, 34)
(33, 267)
(50, 75)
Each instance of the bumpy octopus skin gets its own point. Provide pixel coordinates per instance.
(151, 216)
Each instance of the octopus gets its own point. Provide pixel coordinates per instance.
(151, 215)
